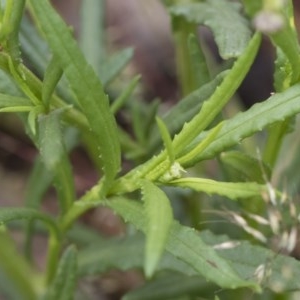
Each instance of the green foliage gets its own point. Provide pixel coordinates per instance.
(76, 103)
(64, 281)
(90, 94)
(232, 32)
(159, 218)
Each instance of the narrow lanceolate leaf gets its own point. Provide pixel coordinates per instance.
(159, 218)
(125, 95)
(55, 157)
(33, 46)
(8, 214)
(199, 65)
(51, 78)
(64, 282)
(231, 30)
(114, 65)
(17, 109)
(276, 108)
(213, 106)
(85, 84)
(8, 102)
(185, 244)
(232, 190)
(16, 268)
(166, 139)
(188, 157)
(92, 32)
(186, 109)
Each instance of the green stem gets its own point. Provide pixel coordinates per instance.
(86, 202)
(54, 247)
(276, 135)
(11, 24)
(182, 31)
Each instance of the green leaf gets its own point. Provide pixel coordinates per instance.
(252, 7)
(37, 185)
(33, 47)
(50, 139)
(232, 190)
(92, 38)
(16, 109)
(246, 167)
(7, 288)
(170, 286)
(8, 214)
(275, 271)
(52, 76)
(54, 155)
(185, 109)
(120, 253)
(212, 107)
(188, 157)
(166, 139)
(64, 282)
(286, 74)
(10, 27)
(9, 102)
(181, 32)
(185, 244)
(143, 118)
(37, 52)
(287, 41)
(117, 253)
(231, 30)
(85, 84)
(8, 86)
(159, 218)
(198, 60)
(16, 269)
(276, 108)
(125, 95)
(114, 65)
(92, 32)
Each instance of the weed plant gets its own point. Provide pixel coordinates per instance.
(64, 103)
